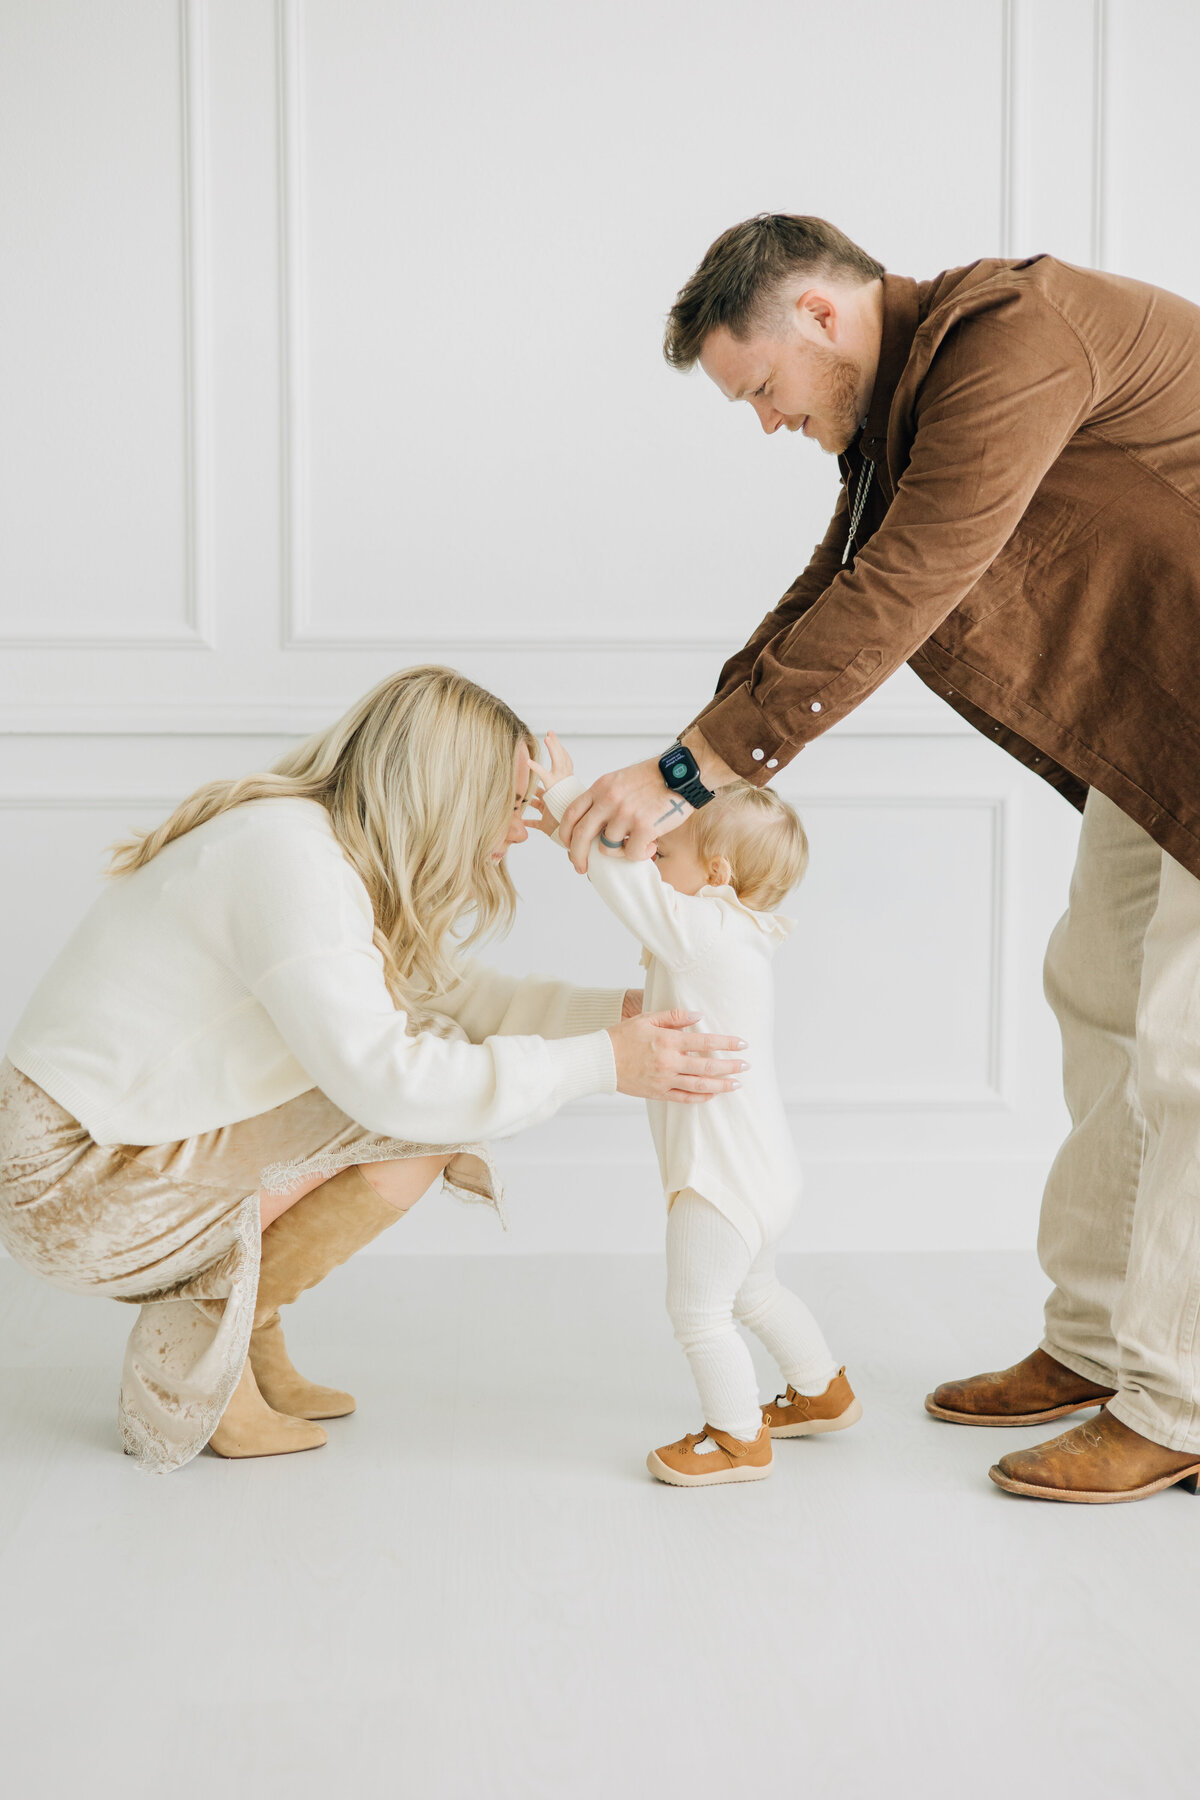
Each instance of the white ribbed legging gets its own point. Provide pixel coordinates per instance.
(713, 1285)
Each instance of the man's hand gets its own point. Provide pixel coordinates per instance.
(635, 806)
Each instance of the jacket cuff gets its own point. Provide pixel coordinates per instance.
(584, 1065)
(593, 1009)
(738, 730)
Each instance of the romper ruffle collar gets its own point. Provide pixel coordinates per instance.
(775, 925)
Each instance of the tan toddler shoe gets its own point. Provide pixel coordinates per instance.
(803, 1415)
(682, 1465)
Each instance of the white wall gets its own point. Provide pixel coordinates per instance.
(330, 342)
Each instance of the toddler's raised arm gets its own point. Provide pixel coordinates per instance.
(676, 928)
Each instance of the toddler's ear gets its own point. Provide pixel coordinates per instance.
(720, 872)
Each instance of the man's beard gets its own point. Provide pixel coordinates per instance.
(839, 377)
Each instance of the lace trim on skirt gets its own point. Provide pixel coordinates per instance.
(470, 1175)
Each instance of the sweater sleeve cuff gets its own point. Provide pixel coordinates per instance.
(560, 796)
(593, 1009)
(584, 1065)
(738, 730)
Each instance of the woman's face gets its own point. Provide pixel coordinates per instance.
(517, 832)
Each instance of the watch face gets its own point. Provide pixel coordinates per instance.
(678, 766)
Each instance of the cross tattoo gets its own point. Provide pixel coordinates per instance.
(676, 807)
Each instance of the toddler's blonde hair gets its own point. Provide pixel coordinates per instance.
(761, 838)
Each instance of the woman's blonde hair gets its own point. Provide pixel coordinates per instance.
(417, 779)
(761, 838)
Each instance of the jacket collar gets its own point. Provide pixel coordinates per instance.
(901, 316)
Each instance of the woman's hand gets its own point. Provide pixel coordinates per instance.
(631, 1006)
(659, 1058)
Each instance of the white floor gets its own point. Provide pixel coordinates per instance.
(476, 1590)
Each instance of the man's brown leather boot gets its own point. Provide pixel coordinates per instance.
(1032, 1392)
(1099, 1462)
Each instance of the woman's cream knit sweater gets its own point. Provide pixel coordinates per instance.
(237, 970)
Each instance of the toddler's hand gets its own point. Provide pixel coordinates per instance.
(560, 763)
(545, 821)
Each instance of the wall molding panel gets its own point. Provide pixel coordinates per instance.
(1100, 112)
(200, 372)
(197, 629)
(984, 1094)
(80, 800)
(1055, 85)
(299, 629)
(1008, 124)
(299, 718)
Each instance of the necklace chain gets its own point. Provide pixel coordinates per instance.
(860, 501)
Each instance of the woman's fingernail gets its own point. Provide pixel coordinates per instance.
(740, 1044)
(735, 1084)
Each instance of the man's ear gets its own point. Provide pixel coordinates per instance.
(817, 310)
(720, 873)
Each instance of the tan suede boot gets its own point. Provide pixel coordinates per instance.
(250, 1428)
(302, 1246)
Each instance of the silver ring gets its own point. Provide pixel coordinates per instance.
(609, 844)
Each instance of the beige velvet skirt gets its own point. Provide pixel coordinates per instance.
(162, 1226)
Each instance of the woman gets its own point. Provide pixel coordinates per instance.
(265, 1027)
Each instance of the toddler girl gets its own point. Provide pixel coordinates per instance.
(703, 910)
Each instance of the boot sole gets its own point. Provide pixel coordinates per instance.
(811, 1427)
(1006, 1419)
(675, 1478)
(274, 1450)
(1190, 1478)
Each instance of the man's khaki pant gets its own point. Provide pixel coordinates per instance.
(1120, 1230)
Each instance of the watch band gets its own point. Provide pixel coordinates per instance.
(695, 793)
(693, 790)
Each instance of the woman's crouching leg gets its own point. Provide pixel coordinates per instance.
(323, 1223)
(402, 1183)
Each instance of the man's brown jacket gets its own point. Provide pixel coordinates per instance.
(1030, 543)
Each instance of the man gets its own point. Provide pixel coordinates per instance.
(1019, 520)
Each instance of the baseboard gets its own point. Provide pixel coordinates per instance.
(618, 1209)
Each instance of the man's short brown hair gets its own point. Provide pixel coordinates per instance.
(741, 274)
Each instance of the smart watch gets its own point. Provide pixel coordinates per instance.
(681, 772)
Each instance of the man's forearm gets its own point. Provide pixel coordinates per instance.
(715, 772)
